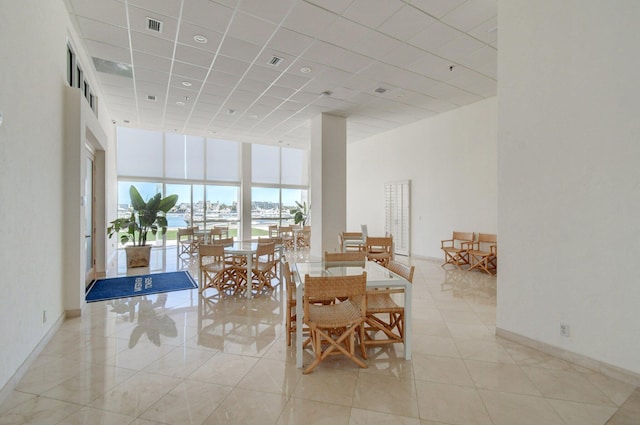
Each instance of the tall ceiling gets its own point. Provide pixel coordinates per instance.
(423, 57)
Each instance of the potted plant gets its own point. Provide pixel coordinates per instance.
(301, 213)
(145, 216)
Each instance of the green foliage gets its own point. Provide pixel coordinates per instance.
(301, 214)
(145, 217)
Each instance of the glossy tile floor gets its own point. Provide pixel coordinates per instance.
(179, 358)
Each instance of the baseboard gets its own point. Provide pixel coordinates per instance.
(578, 359)
(70, 314)
(22, 370)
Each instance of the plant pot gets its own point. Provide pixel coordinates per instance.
(138, 256)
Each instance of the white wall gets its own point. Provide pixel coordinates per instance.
(33, 40)
(569, 155)
(451, 162)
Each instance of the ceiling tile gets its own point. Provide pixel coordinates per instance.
(95, 30)
(138, 22)
(336, 6)
(239, 49)
(290, 42)
(189, 71)
(487, 31)
(189, 30)
(437, 8)
(309, 19)
(248, 28)
(406, 23)
(434, 36)
(372, 13)
(471, 14)
(230, 66)
(109, 11)
(292, 81)
(109, 52)
(207, 14)
(191, 55)
(461, 46)
(143, 60)
(151, 44)
(169, 8)
(270, 10)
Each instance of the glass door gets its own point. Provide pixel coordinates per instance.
(89, 233)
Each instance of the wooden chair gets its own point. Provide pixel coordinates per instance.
(333, 327)
(224, 230)
(273, 231)
(483, 253)
(286, 233)
(340, 257)
(304, 237)
(351, 241)
(217, 233)
(291, 318)
(379, 249)
(264, 266)
(383, 313)
(214, 269)
(186, 243)
(456, 249)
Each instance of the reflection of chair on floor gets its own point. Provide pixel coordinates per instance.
(381, 303)
(379, 249)
(483, 254)
(303, 238)
(333, 327)
(456, 248)
(186, 243)
(214, 271)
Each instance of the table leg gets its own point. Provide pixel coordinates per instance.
(408, 297)
(299, 324)
(249, 276)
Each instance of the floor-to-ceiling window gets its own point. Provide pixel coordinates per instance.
(279, 179)
(206, 175)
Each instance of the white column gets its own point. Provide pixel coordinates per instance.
(328, 168)
(244, 233)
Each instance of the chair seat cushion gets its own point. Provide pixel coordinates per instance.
(214, 267)
(336, 315)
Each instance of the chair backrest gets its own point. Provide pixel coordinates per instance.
(273, 230)
(487, 238)
(359, 256)
(331, 287)
(288, 278)
(216, 233)
(213, 252)
(185, 232)
(378, 244)
(365, 231)
(274, 240)
(463, 236)
(266, 249)
(223, 241)
(402, 269)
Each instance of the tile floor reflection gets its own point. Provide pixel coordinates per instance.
(180, 358)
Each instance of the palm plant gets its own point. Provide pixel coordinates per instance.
(145, 217)
(301, 214)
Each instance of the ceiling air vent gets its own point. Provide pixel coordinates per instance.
(154, 25)
(275, 61)
(152, 98)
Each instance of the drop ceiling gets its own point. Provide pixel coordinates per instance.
(379, 63)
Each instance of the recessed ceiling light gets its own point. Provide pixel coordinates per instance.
(180, 103)
(380, 90)
(231, 111)
(326, 93)
(199, 38)
(187, 83)
(305, 70)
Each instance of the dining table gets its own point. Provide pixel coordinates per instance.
(248, 249)
(377, 277)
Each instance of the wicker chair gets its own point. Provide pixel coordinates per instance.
(291, 318)
(264, 266)
(333, 327)
(286, 233)
(380, 304)
(214, 269)
(187, 245)
(351, 241)
(358, 257)
(379, 249)
(456, 249)
(483, 253)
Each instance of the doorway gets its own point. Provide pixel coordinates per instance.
(89, 210)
